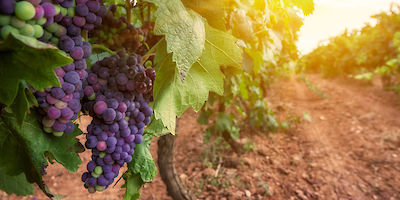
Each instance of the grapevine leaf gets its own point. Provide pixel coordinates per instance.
(15, 184)
(133, 185)
(172, 97)
(21, 104)
(142, 161)
(24, 148)
(184, 32)
(24, 58)
(213, 11)
(156, 128)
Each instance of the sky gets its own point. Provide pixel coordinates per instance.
(332, 17)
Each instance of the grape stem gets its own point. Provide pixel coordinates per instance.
(102, 47)
(151, 52)
(128, 10)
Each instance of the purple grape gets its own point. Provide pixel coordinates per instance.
(138, 139)
(67, 3)
(101, 146)
(70, 128)
(59, 127)
(109, 115)
(81, 10)
(102, 11)
(80, 65)
(75, 105)
(91, 142)
(91, 18)
(100, 107)
(73, 30)
(93, 6)
(7, 6)
(57, 93)
(49, 10)
(39, 12)
(112, 103)
(77, 40)
(87, 49)
(66, 21)
(72, 77)
(48, 21)
(53, 113)
(99, 20)
(51, 100)
(79, 21)
(81, 1)
(76, 53)
(68, 88)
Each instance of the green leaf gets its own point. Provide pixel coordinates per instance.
(141, 170)
(156, 128)
(15, 184)
(21, 104)
(142, 161)
(24, 148)
(172, 97)
(214, 11)
(184, 32)
(133, 184)
(24, 58)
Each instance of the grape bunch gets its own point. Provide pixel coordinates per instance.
(22, 17)
(88, 15)
(117, 92)
(117, 33)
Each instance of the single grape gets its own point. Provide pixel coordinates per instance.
(49, 10)
(82, 10)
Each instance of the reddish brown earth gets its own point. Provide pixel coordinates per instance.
(350, 150)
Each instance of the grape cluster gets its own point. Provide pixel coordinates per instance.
(22, 17)
(117, 92)
(117, 33)
(88, 15)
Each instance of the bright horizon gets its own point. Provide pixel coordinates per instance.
(332, 17)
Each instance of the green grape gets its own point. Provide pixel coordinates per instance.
(52, 27)
(54, 41)
(58, 9)
(71, 12)
(41, 21)
(100, 188)
(38, 31)
(58, 134)
(27, 30)
(98, 170)
(17, 23)
(24, 10)
(5, 20)
(47, 35)
(6, 30)
(64, 11)
(31, 22)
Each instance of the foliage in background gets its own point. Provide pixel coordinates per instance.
(362, 54)
(267, 31)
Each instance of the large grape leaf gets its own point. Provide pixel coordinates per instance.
(214, 11)
(172, 97)
(15, 184)
(142, 169)
(183, 30)
(24, 58)
(24, 148)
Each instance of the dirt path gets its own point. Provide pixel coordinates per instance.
(350, 150)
